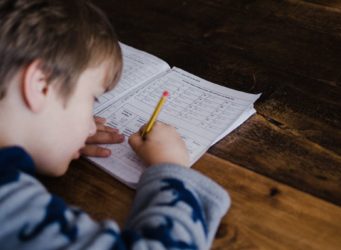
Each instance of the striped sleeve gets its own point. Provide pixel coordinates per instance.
(174, 208)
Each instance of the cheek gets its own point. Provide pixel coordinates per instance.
(80, 119)
(83, 121)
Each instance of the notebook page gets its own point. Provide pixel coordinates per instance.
(201, 111)
(243, 117)
(138, 68)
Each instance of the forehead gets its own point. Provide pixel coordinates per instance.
(101, 77)
(94, 77)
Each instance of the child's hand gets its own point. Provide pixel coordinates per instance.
(161, 145)
(104, 135)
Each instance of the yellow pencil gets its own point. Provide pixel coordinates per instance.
(156, 112)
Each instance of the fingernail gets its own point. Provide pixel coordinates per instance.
(107, 152)
(114, 130)
(118, 136)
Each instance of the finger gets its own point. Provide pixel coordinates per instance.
(142, 128)
(104, 128)
(95, 151)
(105, 138)
(157, 125)
(135, 141)
(100, 120)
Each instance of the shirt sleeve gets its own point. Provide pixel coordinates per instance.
(174, 208)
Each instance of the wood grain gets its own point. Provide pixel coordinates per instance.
(332, 5)
(282, 167)
(288, 50)
(265, 214)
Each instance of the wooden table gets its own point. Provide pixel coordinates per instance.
(282, 167)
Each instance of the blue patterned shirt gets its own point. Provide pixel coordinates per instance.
(174, 208)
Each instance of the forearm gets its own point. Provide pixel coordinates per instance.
(166, 213)
(178, 206)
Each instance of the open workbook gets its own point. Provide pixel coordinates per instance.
(202, 112)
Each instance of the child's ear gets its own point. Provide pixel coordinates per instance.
(34, 87)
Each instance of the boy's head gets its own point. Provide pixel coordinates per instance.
(56, 57)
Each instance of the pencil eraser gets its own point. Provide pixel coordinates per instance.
(165, 93)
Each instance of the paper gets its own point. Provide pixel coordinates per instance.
(202, 112)
(138, 68)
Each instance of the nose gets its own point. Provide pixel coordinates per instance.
(93, 127)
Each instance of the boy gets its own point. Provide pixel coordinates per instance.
(57, 56)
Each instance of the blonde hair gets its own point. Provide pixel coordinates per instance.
(66, 36)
